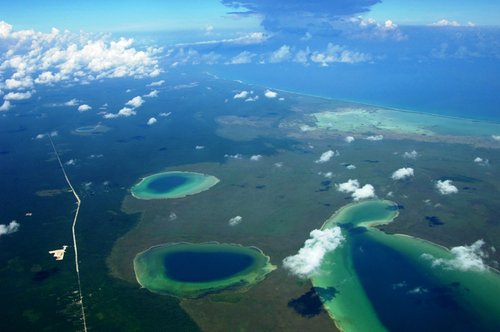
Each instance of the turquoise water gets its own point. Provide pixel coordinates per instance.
(383, 283)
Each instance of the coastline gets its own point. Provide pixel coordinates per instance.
(363, 103)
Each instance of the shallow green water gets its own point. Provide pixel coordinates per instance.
(192, 270)
(382, 282)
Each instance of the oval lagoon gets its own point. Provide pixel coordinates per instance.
(387, 282)
(189, 270)
(172, 185)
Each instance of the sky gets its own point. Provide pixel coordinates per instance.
(155, 15)
(437, 56)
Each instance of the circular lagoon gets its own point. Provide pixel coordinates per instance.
(172, 185)
(91, 129)
(189, 270)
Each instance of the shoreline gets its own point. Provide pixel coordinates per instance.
(392, 108)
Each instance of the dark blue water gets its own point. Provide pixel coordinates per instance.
(167, 183)
(404, 297)
(189, 266)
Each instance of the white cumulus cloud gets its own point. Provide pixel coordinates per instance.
(349, 139)
(235, 221)
(326, 156)
(12, 227)
(84, 108)
(242, 58)
(5, 106)
(256, 157)
(410, 155)
(270, 94)
(135, 102)
(17, 95)
(241, 95)
(354, 188)
(307, 262)
(446, 187)
(465, 258)
(152, 94)
(375, 138)
(124, 112)
(403, 173)
(281, 54)
(152, 121)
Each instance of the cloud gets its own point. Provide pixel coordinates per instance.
(350, 167)
(242, 58)
(156, 83)
(13, 226)
(34, 57)
(281, 54)
(298, 15)
(199, 147)
(84, 108)
(349, 139)
(445, 23)
(152, 94)
(348, 187)
(235, 221)
(375, 138)
(124, 112)
(496, 137)
(465, 258)
(481, 161)
(172, 216)
(241, 95)
(17, 95)
(410, 155)
(234, 156)
(152, 121)
(248, 39)
(446, 187)
(327, 175)
(307, 262)
(135, 102)
(250, 99)
(367, 191)
(71, 162)
(72, 102)
(326, 156)
(338, 54)
(256, 157)
(403, 173)
(367, 28)
(357, 192)
(270, 94)
(5, 106)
